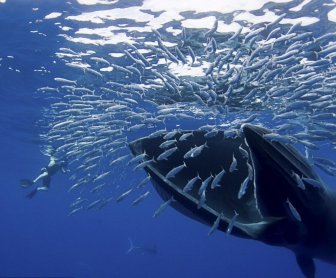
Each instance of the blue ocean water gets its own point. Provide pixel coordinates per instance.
(38, 238)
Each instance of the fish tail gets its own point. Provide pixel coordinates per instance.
(131, 247)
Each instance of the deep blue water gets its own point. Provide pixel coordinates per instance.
(39, 239)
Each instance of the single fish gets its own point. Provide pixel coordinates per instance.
(298, 180)
(217, 179)
(124, 195)
(232, 223)
(215, 225)
(233, 166)
(293, 211)
(243, 187)
(166, 154)
(190, 184)
(204, 185)
(202, 200)
(173, 172)
(140, 198)
(163, 207)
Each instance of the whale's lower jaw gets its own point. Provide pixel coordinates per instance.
(215, 156)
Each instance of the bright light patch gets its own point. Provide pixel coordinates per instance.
(208, 22)
(52, 15)
(103, 32)
(305, 21)
(299, 7)
(186, 70)
(164, 18)
(173, 31)
(266, 17)
(132, 13)
(205, 22)
(116, 55)
(78, 65)
(66, 28)
(139, 29)
(171, 11)
(224, 28)
(115, 39)
(161, 61)
(94, 2)
(62, 55)
(144, 51)
(108, 69)
(332, 15)
(200, 6)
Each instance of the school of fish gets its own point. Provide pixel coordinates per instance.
(276, 74)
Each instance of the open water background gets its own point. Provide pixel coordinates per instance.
(39, 239)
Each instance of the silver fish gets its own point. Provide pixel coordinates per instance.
(140, 198)
(163, 207)
(185, 136)
(138, 158)
(143, 164)
(143, 182)
(173, 172)
(166, 154)
(190, 184)
(167, 144)
(217, 179)
(232, 223)
(244, 152)
(75, 210)
(202, 200)
(233, 166)
(124, 195)
(215, 225)
(243, 187)
(298, 180)
(293, 211)
(204, 185)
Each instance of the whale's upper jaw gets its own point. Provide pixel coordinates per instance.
(273, 164)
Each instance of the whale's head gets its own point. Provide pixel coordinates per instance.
(248, 180)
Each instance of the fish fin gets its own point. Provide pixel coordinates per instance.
(26, 183)
(306, 265)
(132, 247)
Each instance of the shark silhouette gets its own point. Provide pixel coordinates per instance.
(281, 202)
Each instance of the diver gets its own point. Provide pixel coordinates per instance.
(51, 169)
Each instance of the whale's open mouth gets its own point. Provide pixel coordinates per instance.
(217, 175)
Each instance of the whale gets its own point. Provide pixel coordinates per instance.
(264, 189)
